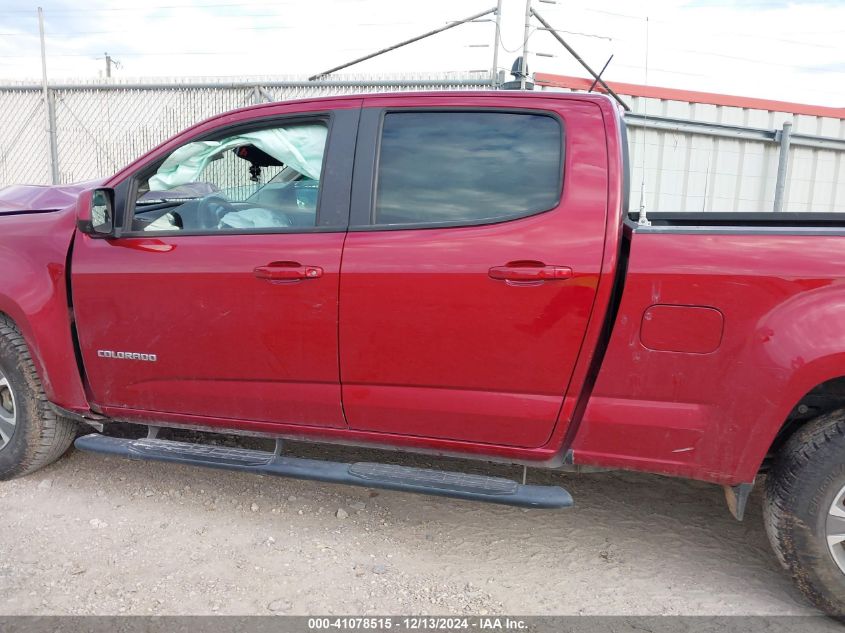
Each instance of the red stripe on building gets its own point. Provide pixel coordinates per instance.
(691, 96)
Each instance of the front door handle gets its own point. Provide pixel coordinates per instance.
(530, 271)
(287, 271)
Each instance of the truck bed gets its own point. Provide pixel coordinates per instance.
(728, 220)
(714, 302)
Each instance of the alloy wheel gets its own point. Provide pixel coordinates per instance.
(8, 412)
(835, 529)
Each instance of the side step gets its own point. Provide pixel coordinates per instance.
(371, 475)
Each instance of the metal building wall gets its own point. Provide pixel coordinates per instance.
(698, 171)
(695, 172)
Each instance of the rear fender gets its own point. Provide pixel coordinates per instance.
(802, 343)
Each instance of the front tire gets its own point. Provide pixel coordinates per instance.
(32, 435)
(804, 510)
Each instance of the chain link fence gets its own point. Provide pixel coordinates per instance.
(100, 127)
(24, 151)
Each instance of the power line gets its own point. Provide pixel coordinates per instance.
(594, 36)
(160, 54)
(140, 8)
(78, 33)
(519, 46)
(223, 27)
(286, 26)
(702, 53)
(680, 24)
(94, 55)
(662, 70)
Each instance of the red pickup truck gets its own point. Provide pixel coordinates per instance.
(449, 273)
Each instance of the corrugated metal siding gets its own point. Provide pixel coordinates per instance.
(679, 171)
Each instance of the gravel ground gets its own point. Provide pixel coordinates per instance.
(95, 535)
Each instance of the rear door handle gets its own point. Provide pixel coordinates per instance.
(530, 271)
(287, 271)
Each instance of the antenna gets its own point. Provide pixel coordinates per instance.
(643, 220)
(601, 72)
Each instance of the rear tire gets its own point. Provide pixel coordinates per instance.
(804, 511)
(32, 435)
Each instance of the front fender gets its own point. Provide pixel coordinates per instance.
(34, 294)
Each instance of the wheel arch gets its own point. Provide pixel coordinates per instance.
(12, 313)
(807, 397)
(53, 355)
(823, 398)
(799, 354)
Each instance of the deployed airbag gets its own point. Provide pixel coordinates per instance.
(255, 218)
(299, 147)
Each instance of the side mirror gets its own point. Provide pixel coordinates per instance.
(95, 213)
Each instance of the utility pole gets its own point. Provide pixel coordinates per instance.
(49, 106)
(523, 67)
(110, 61)
(498, 38)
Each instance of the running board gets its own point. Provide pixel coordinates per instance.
(370, 475)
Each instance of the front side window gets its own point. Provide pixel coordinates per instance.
(258, 179)
(466, 167)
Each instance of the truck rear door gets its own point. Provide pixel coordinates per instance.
(470, 269)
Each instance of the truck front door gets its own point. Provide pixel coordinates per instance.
(219, 301)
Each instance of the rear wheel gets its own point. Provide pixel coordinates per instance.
(8, 412)
(805, 510)
(32, 435)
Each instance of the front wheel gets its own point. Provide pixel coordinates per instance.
(804, 510)
(31, 434)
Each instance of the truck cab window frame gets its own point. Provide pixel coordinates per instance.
(132, 191)
(374, 123)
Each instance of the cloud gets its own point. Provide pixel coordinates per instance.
(758, 5)
(832, 67)
(764, 48)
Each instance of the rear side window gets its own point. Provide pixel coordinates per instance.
(466, 167)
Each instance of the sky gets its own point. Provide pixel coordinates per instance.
(775, 49)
